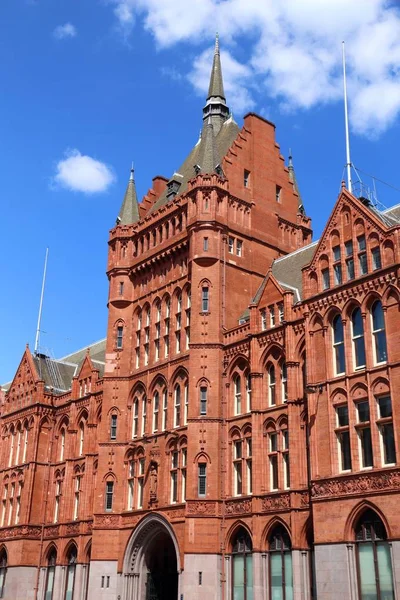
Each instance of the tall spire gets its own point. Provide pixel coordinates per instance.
(216, 87)
(208, 156)
(216, 107)
(129, 212)
(292, 177)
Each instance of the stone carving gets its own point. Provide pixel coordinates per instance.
(72, 528)
(276, 502)
(238, 507)
(357, 484)
(24, 531)
(52, 531)
(153, 481)
(201, 508)
(107, 521)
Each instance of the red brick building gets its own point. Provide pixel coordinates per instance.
(236, 434)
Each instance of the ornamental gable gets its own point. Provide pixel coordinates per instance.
(356, 241)
(24, 382)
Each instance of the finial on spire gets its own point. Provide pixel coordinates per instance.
(290, 158)
(216, 51)
(131, 178)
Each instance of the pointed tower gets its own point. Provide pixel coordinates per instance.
(292, 177)
(129, 212)
(216, 107)
(208, 155)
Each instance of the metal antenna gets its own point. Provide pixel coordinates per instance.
(41, 303)
(346, 121)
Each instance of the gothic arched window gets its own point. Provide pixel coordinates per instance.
(338, 345)
(373, 559)
(3, 571)
(242, 566)
(280, 564)
(378, 332)
(50, 573)
(70, 580)
(358, 338)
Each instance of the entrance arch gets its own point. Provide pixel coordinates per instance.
(152, 562)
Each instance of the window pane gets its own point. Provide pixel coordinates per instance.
(249, 577)
(385, 407)
(359, 350)
(350, 268)
(385, 571)
(349, 248)
(363, 411)
(388, 444)
(238, 577)
(70, 582)
(367, 572)
(50, 583)
(363, 264)
(288, 576)
(276, 576)
(366, 446)
(380, 346)
(337, 269)
(336, 253)
(345, 450)
(343, 416)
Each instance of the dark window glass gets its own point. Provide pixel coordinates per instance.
(205, 299)
(326, 284)
(202, 479)
(389, 451)
(378, 330)
(344, 439)
(363, 264)
(120, 333)
(338, 344)
(343, 416)
(336, 253)
(363, 411)
(113, 432)
(361, 242)
(366, 447)
(337, 269)
(109, 494)
(376, 258)
(203, 400)
(385, 407)
(358, 337)
(349, 248)
(350, 269)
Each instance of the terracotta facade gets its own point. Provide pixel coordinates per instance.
(238, 429)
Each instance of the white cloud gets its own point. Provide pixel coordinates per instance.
(294, 50)
(81, 173)
(65, 31)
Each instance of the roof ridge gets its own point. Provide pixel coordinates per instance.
(296, 251)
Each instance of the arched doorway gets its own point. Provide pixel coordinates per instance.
(162, 573)
(152, 563)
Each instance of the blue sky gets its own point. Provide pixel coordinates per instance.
(87, 86)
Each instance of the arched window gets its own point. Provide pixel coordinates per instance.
(135, 422)
(109, 495)
(50, 573)
(3, 571)
(358, 338)
(177, 411)
(113, 427)
(271, 385)
(70, 580)
(165, 410)
(378, 331)
(62, 444)
(280, 565)
(144, 414)
(242, 566)
(25, 450)
(238, 394)
(248, 392)
(81, 437)
(373, 559)
(338, 345)
(284, 382)
(156, 409)
(120, 337)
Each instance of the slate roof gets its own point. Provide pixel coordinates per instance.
(58, 373)
(287, 269)
(201, 153)
(129, 212)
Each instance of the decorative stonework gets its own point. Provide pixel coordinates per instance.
(276, 502)
(201, 508)
(237, 507)
(106, 521)
(52, 531)
(18, 532)
(357, 484)
(72, 528)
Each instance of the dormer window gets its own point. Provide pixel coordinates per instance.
(173, 188)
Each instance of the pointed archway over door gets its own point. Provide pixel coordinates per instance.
(152, 562)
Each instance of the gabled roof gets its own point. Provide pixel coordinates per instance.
(287, 269)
